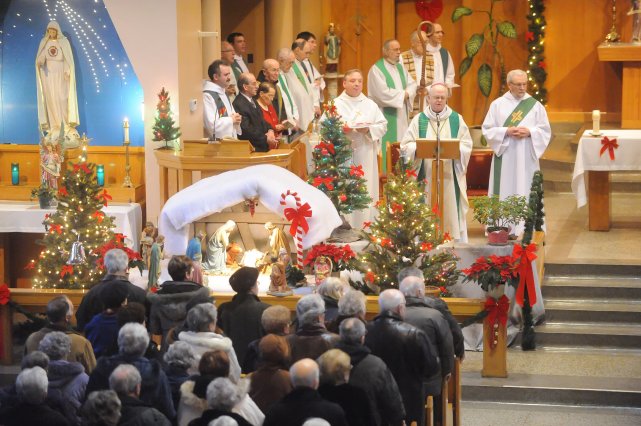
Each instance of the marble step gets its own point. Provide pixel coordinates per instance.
(587, 270)
(601, 288)
(602, 311)
(554, 390)
(594, 335)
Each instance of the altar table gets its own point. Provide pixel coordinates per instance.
(598, 164)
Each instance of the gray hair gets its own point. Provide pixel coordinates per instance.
(102, 408)
(180, 355)
(386, 44)
(412, 287)
(316, 421)
(390, 299)
(352, 331)
(431, 88)
(201, 316)
(32, 384)
(332, 287)
(304, 372)
(125, 379)
(309, 308)
(284, 54)
(514, 73)
(58, 309)
(334, 366)
(350, 72)
(275, 318)
(352, 303)
(133, 339)
(243, 79)
(35, 359)
(223, 421)
(409, 271)
(222, 394)
(57, 345)
(116, 261)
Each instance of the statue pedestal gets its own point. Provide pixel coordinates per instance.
(630, 55)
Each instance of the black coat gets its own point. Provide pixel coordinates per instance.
(370, 373)
(240, 319)
(301, 404)
(134, 412)
(331, 309)
(24, 414)
(210, 415)
(406, 351)
(437, 330)
(252, 124)
(92, 305)
(353, 400)
(455, 328)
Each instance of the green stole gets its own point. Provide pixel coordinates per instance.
(455, 121)
(445, 59)
(235, 67)
(389, 112)
(283, 87)
(513, 119)
(300, 76)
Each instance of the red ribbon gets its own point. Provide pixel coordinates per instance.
(63, 191)
(497, 309)
(298, 218)
(610, 145)
(105, 196)
(327, 146)
(66, 270)
(529, 36)
(411, 173)
(525, 257)
(82, 166)
(328, 182)
(5, 294)
(356, 171)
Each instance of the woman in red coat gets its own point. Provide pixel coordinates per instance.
(266, 93)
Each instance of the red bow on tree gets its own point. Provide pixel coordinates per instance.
(356, 171)
(62, 191)
(411, 173)
(5, 294)
(529, 36)
(83, 167)
(119, 238)
(397, 208)
(298, 218)
(55, 228)
(525, 257)
(328, 146)
(610, 145)
(370, 277)
(99, 216)
(447, 237)
(30, 265)
(366, 224)
(426, 246)
(328, 182)
(66, 270)
(105, 197)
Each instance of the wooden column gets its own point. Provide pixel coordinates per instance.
(598, 201)
(494, 360)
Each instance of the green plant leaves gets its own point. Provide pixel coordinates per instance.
(460, 12)
(466, 63)
(485, 79)
(506, 29)
(474, 44)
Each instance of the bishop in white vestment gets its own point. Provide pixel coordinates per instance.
(438, 117)
(367, 125)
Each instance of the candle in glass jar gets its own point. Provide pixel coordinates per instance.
(596, 122)
(100, 174)
(15, 173)
(125, 125)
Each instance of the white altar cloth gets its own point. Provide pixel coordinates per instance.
(627, 157)
(26, 217)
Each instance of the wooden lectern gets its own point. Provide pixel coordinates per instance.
(449, 150)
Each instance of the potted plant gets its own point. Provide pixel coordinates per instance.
(45, 195)
(492, 271)
(497, 215)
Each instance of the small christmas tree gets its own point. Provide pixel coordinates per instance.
(78, 218)
(334, 173)
(404, 234)
(164, 129)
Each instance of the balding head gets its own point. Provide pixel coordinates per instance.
(392, 51)
(392, 301)
(271, 69)
(285, 59)
(437, 95)
(415, 42)
(412, 287)
(305, 373)
(226, 52)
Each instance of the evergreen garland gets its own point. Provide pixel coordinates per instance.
(535, 37)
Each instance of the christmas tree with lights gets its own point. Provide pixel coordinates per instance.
(335, 173)
(535, 37)
(78, 233)
(405, 233)
(164, 129)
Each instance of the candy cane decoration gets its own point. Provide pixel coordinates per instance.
(299, 224)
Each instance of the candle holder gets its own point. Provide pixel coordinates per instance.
(100, 174)
(613, 36)
(127, 180)
(15, 174)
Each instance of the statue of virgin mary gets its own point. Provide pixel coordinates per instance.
(56, 82)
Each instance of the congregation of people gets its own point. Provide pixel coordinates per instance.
(176, 357)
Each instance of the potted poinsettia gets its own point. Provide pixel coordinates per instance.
(492, 271)
(499, 215)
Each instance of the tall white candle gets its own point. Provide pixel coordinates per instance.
(596, 122)
(125, 125)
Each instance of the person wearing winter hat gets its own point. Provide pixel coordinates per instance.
(102, 330)
(240, 318)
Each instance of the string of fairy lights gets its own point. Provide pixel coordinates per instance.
(535, 37)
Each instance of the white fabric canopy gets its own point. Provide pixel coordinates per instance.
(267, 182)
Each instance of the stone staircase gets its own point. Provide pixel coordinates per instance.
(588, 351)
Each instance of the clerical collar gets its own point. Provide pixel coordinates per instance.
(388, 61)
(238, 57)
(431, 48)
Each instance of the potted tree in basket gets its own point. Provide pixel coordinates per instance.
(498, 215)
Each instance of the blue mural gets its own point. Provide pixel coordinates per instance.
(108, 89)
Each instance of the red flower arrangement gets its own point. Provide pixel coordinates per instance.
(491, 271)
(340, 256)
(135, 260)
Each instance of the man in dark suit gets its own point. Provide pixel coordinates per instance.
(253, 126)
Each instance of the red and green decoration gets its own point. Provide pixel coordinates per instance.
(429, 10)
(405, 233)
(164, 127)
(78, 217)
(335, 173)
(535, 38)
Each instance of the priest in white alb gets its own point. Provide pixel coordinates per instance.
(393, 90)
(518, 131)
(438, 118)
(366, 127)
